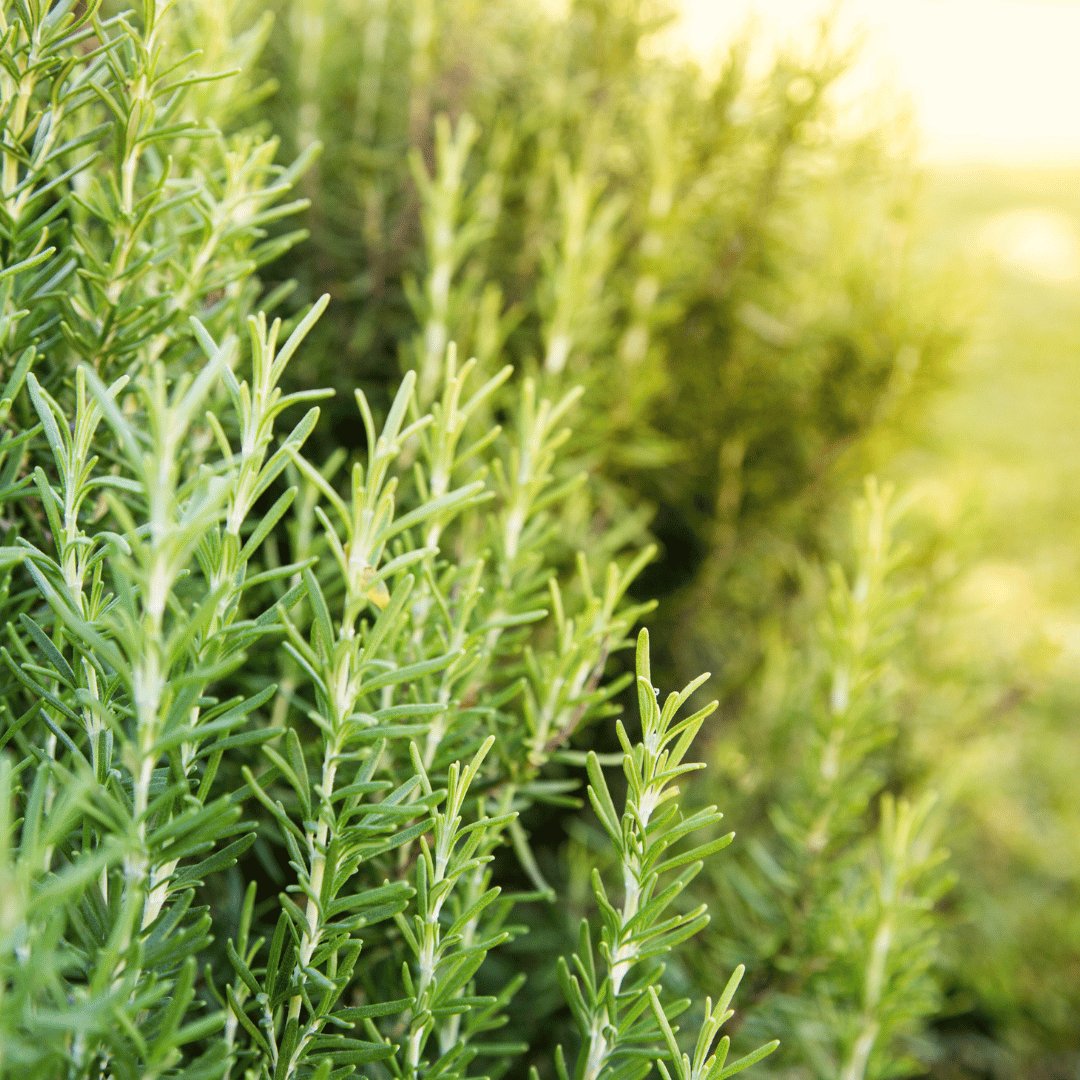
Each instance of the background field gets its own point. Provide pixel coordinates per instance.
(997, 464)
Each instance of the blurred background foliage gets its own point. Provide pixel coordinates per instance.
(751, 293)
(993, 463)
(730, 276)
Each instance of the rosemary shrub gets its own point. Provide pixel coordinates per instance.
(553, 189)
(835, 890)
(271, 719)
(728, 270)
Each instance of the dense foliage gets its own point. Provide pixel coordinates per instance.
(304, 689)
(729, 277)
(233, 689)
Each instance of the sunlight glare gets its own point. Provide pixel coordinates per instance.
(989, 80)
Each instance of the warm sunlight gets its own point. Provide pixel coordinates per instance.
(990, 80)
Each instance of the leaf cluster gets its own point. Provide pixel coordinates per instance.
(269, 718)
(837, 889)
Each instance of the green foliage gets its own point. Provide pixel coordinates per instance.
(124, 210)
(836, 894)
(292, 683)
(272, 727)
(729, 276)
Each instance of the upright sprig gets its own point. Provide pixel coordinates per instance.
(46, 91)
(446, 956)
(850, 718)
(895, 944)
(617, 1002)
(575, 314)
(454, 226)
(710, 1054)
(838, 897)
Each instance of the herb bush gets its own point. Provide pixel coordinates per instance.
(834, 887)
(717, 258)
(283, 691)
(733, 282)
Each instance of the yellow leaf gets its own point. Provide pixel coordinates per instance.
(375, 591)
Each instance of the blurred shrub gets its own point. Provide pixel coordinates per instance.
(727, 266)
(839, 869)
(715, 255)
(993, 711)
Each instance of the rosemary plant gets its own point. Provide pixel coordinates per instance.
(837, 895)
(727, 270)
(271, 724)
